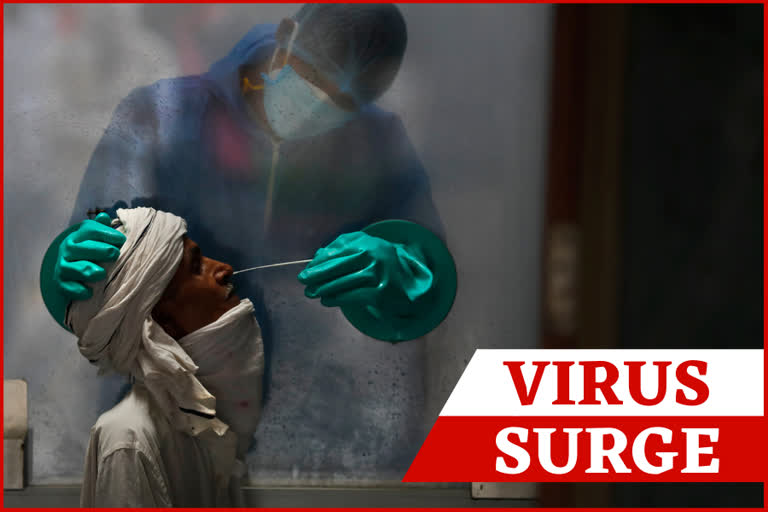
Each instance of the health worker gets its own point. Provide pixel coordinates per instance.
(278, 153)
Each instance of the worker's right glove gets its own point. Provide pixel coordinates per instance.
(72, 260)
(361, 270)
(394, 280)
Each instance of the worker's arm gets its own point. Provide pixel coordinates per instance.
(122, 167)
(120, 170)
(125, 478)
(396, 280)
(406, 193)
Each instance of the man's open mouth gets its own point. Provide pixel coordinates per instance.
(230, 289)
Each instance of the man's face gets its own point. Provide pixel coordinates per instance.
(198, 294)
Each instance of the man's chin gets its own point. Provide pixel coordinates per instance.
(232, 301)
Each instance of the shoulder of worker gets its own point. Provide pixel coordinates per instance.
(376, 114)
(165, 99)
(385, 126)
(132, 424)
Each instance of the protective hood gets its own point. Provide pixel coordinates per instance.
(224, 75)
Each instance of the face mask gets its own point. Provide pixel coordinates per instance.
(295, 108)
(229, 354)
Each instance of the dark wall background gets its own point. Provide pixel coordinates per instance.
(692, 198)
(692, 220)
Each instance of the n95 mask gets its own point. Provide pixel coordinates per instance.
(297, 109)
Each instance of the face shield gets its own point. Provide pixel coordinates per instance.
(295, 108)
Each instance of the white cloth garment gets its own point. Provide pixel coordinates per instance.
(115, 328)
(169, 404)
(230, 358)
(135, 458)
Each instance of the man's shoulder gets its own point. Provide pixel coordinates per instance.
(128, 425)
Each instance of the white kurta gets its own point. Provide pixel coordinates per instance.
(136, 459)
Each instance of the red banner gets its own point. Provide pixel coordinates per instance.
(582, 449)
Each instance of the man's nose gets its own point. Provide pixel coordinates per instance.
(222, 272)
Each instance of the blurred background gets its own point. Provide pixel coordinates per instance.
(653, 230)
(598, 170)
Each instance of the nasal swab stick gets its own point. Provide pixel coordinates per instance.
(272, 265)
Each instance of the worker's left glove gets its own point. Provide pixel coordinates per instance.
(357, 269)
(73, 259)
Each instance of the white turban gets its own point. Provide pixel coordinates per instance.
(116, 330)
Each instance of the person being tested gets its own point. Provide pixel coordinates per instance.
(279, 153)
(167, 317)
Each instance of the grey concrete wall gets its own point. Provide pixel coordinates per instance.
(473, 93)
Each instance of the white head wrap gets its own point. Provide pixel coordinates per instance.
(116, 331)
(110, 322)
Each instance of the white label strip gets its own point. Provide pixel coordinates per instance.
(733, 383)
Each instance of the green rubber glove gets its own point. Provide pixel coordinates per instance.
(357, 269)
(75, 263)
